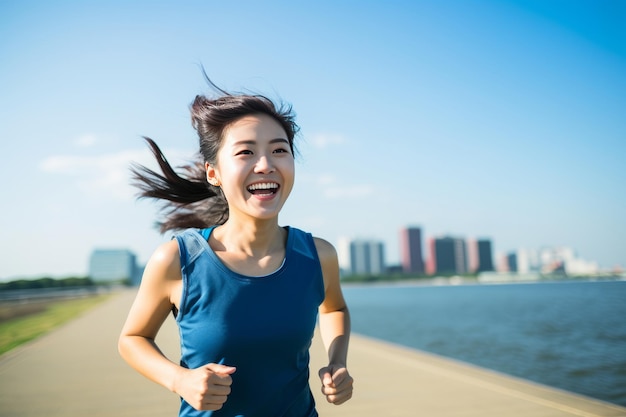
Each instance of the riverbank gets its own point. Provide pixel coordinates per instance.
(75, 370)
(486, 279)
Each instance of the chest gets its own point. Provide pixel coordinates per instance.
(249, 266)
(276, 315)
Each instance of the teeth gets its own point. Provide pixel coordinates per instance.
(263, 186)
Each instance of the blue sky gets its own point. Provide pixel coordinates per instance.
(499, 119)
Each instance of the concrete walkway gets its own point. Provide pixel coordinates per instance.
(76, 371)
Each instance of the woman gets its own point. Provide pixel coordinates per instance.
(245, 291)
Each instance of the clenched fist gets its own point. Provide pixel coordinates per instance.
(336, 384)
(206, 387)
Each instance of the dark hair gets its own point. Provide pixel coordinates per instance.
(190, 201)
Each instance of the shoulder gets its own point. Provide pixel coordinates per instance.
(166, 253)
(325, 250)
(328, 262)
(306, 242)
(164, 264)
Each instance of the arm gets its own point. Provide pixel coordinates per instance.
(204, 388)
(334, 320)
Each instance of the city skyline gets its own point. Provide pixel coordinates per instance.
(474, 118)
(445, 254)
(345, 247)
(367, 257)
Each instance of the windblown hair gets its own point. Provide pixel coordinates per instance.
(189, 201)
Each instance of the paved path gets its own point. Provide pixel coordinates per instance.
(76, 371)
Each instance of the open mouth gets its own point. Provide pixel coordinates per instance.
(263, 188)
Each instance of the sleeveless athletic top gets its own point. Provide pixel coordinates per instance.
(261, 325)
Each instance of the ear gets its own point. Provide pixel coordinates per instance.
(211, 175)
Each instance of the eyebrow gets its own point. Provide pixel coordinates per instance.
(254, 142)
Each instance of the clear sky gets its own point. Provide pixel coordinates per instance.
(499, 119)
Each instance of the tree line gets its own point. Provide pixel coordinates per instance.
(46, 282)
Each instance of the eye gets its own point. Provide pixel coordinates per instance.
(281, 150)
(244, 152)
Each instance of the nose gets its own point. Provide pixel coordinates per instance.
(264, 165)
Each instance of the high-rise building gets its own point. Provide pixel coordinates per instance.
(479, 256)
(411, 250)
(450, 255)
(526, 261)
(502, 263)
(549, 260)
(471, 245)
(343, 254)
(113, 265)
(367, 257)
(431, 259)
(485, 255)
(511, 261)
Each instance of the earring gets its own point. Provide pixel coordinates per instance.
(214, 182)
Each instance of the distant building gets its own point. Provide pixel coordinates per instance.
(450, 255)
(343, 254)
(431, 258)
(555, 259)
(550, 260)
(411, 250)
(566, 260)
(367, 257)
(581, 267)
(524, 261)
(479, 255)
(485, 256)
(502, 263)
(114, 265)
(472, 255)
(511, 262)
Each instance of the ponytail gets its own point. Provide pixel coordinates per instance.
(193, 202)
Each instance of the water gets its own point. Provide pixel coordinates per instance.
(569, 335)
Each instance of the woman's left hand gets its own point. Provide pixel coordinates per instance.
(336, 384)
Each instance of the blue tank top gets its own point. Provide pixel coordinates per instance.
(261, 325)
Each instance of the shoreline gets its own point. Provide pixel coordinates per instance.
(459, 280)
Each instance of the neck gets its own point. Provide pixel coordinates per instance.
(255, 239)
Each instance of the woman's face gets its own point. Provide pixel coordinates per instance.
(255, 167)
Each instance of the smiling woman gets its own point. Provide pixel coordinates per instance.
(246, 292)
(197, 200)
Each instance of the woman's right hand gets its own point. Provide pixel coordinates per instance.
(206, 387)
